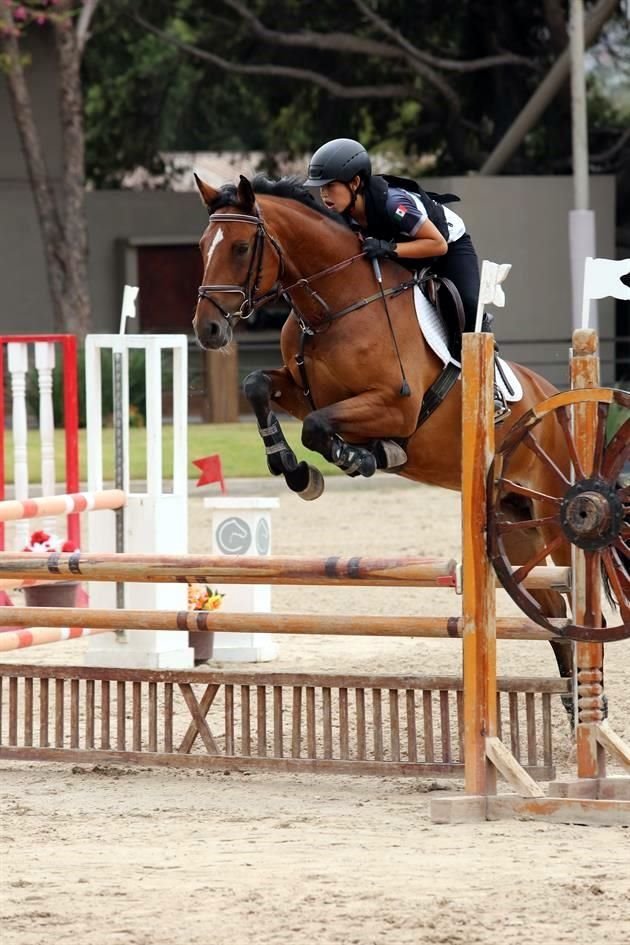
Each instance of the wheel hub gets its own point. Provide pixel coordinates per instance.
(591, 514)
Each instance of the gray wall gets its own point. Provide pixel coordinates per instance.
(511, 219)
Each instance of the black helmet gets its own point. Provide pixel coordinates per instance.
(340, 159)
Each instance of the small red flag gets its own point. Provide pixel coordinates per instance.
(211, 471)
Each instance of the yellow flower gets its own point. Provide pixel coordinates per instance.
(202, 597)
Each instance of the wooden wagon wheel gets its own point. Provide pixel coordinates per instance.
(592, 512)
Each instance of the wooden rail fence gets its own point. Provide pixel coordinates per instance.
(399, 725)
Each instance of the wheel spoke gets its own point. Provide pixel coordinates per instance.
(524, 569)
(535, 447)
(617, 452)
(504, 527)
(622, 567)
(624, 548)
(600, 438)
(615, 582)
(519, 489)
(564, 419)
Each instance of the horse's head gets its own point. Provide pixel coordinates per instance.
(242, 262)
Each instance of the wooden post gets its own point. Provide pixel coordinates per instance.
(479, 603)
(222, 385)
(589, 657)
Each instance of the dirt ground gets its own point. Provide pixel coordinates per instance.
(112, 855)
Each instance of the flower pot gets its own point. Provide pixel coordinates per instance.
(202, 642)
(61, 594)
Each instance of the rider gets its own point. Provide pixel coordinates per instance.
(399, 223)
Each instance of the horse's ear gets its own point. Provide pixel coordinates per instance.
(246, 196)
(208, 193)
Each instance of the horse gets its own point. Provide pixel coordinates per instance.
(356, 366)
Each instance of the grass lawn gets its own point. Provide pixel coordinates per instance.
(240, 448)
(238, 444)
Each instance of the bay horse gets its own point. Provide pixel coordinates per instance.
(343, 358)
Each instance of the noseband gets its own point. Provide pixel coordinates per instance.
(248, 290)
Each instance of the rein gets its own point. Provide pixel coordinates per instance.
(252, 302)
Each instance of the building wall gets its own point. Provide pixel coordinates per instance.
(512, 219)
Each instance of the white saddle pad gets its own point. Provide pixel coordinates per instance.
(434, 332)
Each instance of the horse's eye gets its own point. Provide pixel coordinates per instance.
(241, 249)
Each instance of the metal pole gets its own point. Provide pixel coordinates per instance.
(581, 218)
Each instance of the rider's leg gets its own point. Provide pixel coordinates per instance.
(461, 266)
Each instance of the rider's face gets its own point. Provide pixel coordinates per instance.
(336, 195)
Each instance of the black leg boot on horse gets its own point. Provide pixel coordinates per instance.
(300, 477)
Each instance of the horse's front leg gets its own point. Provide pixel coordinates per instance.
(361, 419)
(261, 388)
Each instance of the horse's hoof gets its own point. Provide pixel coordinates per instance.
(315, 485)
(307, 481)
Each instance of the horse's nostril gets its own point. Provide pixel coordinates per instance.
(213, 328)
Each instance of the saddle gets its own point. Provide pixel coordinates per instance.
(443, 293)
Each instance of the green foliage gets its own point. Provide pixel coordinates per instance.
(143, 95)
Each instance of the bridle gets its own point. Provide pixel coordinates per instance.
(248, 290)
(252, 302)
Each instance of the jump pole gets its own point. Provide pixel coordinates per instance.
(410, 571)
(509, 628)
(14, 509)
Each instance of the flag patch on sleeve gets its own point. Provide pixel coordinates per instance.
(400, 212)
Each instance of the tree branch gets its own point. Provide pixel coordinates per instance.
(88, 10)
(307, 75)
(347, 42)
(439, 62)
(342, 42)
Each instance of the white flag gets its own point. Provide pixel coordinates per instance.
(490, 291)
(130, 294)
(602, 278)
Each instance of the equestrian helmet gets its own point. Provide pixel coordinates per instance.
(340, 159)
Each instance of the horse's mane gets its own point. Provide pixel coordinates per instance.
(290, 188)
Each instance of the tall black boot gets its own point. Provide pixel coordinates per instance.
(501, 409)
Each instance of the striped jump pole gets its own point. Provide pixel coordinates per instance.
(13, 510)
(514, 628)
(36, 636)
(237, 569)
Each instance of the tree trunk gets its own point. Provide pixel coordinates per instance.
(77, 299)
(61, 212)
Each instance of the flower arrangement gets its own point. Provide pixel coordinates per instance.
(202, 597)
(43, 543)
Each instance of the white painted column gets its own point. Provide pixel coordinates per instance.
(242, 526)
(17, 360)
(156, 514)
(45, 365)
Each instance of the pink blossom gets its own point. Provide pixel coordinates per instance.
(20, 13)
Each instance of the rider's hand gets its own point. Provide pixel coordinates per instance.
(379, 249)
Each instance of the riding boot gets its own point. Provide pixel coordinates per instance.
(501, 409)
